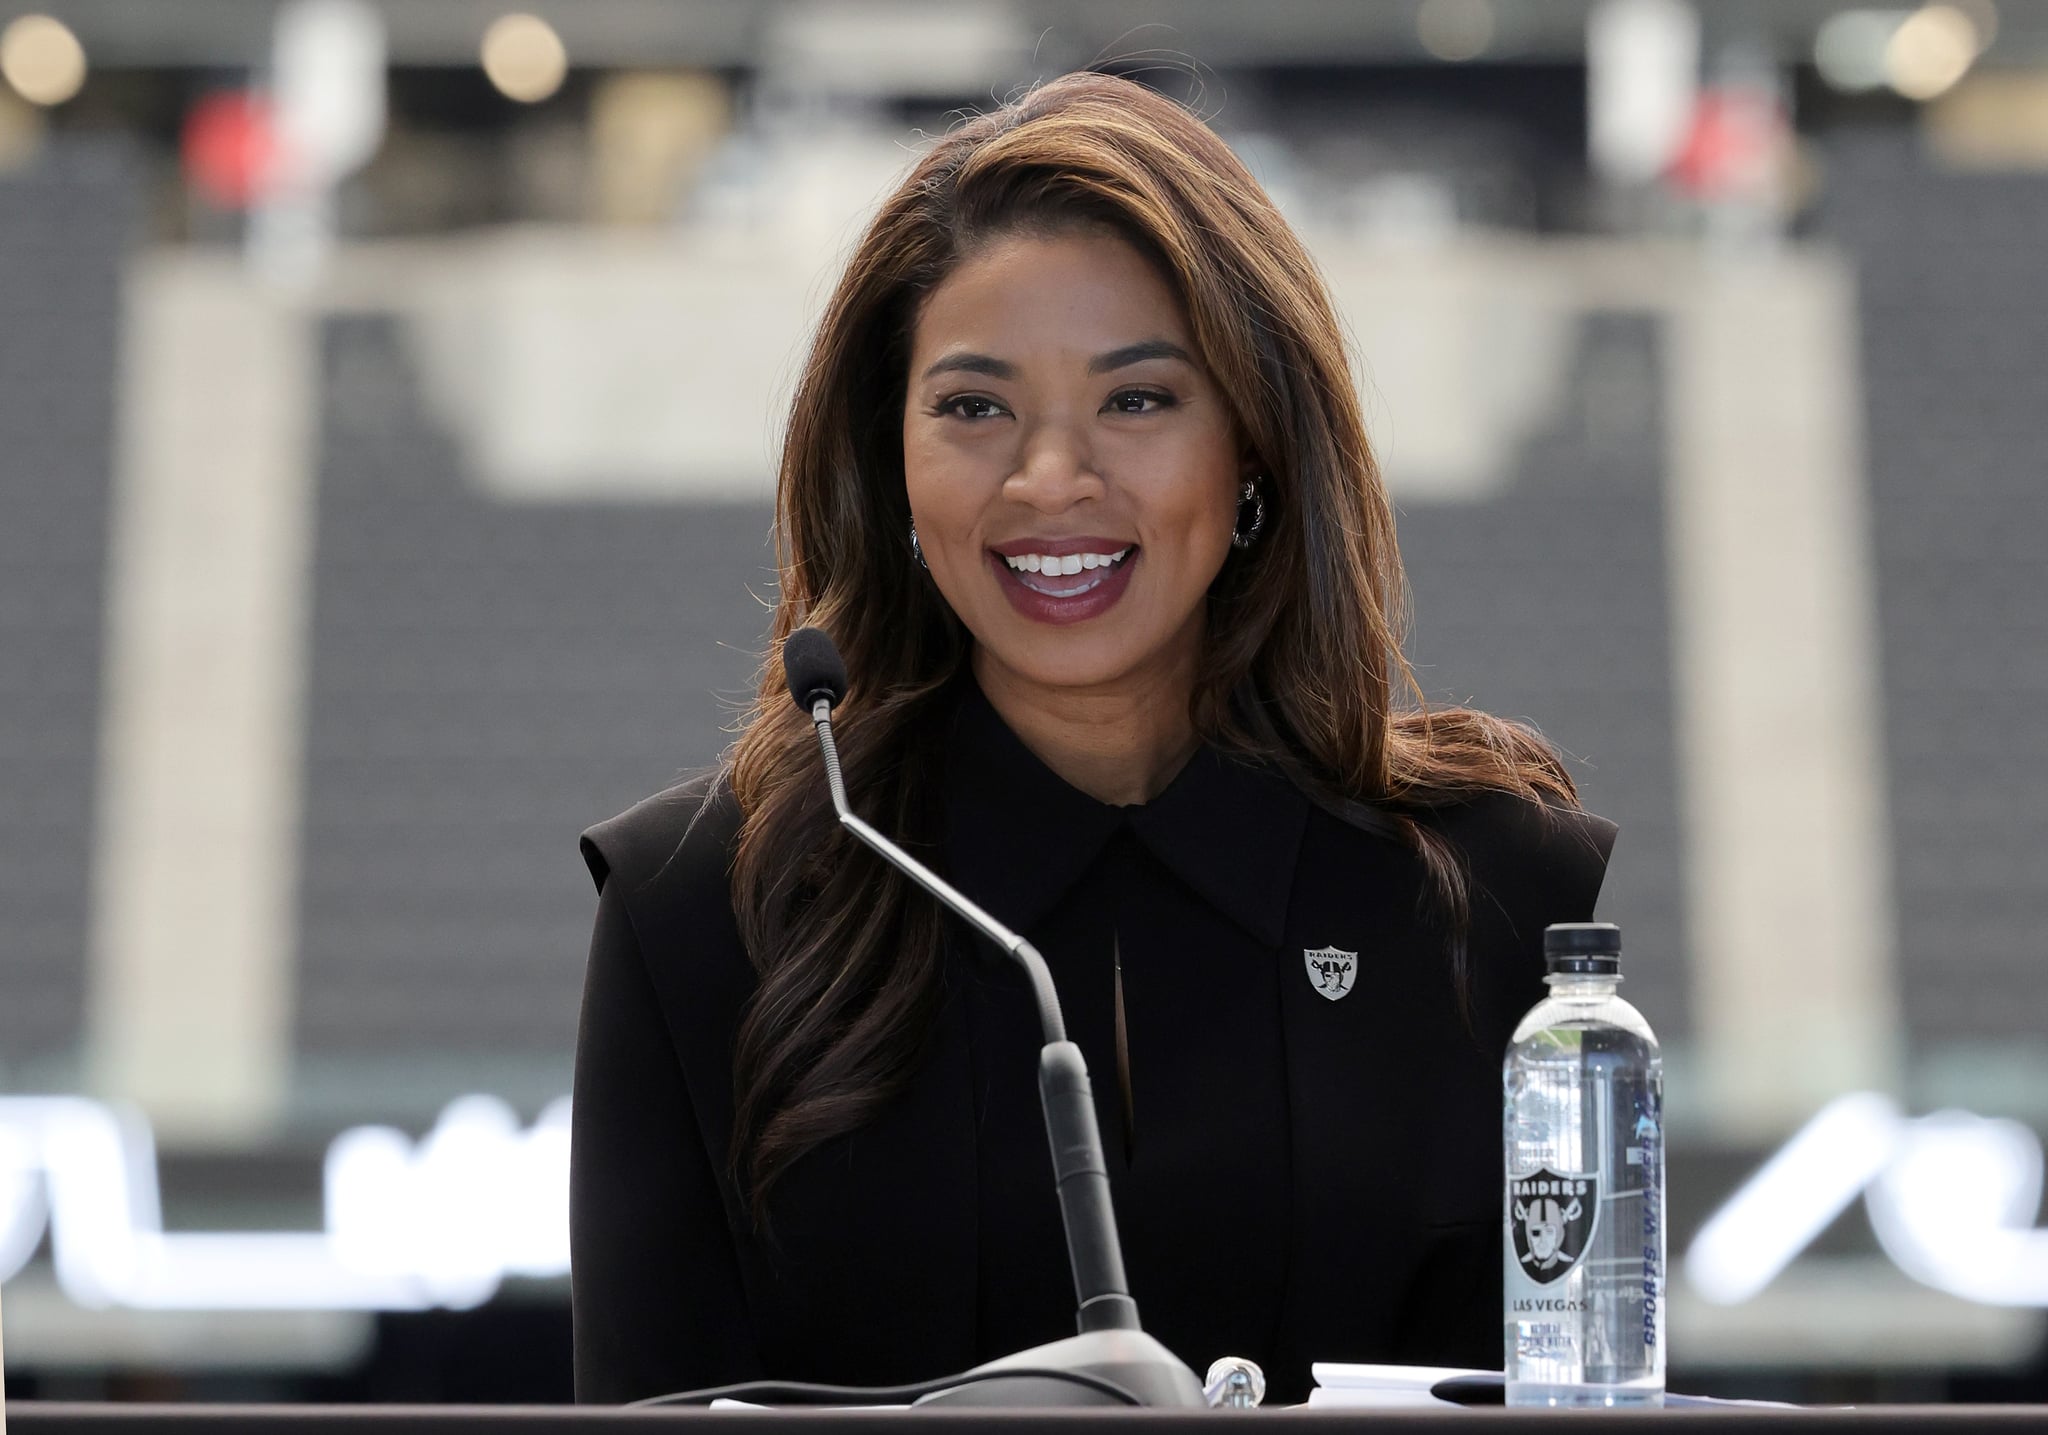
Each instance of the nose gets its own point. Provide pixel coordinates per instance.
(1055, 469)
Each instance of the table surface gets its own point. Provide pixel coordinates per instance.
(28, 1417)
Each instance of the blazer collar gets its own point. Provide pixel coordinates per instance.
(1018, 836)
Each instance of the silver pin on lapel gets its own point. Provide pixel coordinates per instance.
(1330, 971)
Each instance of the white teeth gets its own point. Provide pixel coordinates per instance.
(1070, 563)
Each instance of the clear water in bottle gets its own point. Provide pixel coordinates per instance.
(1583, 1135)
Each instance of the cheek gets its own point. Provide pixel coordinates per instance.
(1197, 501)
(948, 493)
(925, 474)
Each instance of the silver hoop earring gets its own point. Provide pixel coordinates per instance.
(1242, 537)
(916, 551)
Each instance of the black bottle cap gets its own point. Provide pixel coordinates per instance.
(1590, 948)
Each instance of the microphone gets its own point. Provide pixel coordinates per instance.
(812, 668)
(1111, 1344)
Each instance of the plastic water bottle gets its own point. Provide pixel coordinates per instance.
(1583, 1132)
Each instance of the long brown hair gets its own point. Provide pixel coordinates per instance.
(1303, 654)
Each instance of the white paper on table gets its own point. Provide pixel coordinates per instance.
(1385, 1386)
(1381, 1386)
(726, 1402)
(1371, 1398)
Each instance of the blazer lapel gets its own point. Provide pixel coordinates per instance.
(1361, 1032)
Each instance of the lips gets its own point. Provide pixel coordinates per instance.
(1063, 581)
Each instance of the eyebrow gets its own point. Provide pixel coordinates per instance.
(1137, 354)
(1122, 358)
(973, 364)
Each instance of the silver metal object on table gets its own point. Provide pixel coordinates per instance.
(1234, 1383)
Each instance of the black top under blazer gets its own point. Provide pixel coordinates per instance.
(1298, 1175)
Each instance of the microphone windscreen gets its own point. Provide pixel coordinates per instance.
(812, 667)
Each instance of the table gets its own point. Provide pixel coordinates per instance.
(30, 1417)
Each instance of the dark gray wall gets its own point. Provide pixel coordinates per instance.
(486, 680)
(1548, 603)
(66, 224)
(1954, 311)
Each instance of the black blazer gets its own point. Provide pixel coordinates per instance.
(1384, 1195)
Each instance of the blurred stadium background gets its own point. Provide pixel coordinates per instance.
(387, 400)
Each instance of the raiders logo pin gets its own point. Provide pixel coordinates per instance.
(1330, 971)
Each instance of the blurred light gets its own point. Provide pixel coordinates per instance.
(42, 60)
(1777, 1212)
(1994, 120)
(229, 147)
(1455, 29)
(1933, 49)
(524, 58)
(1955, 1207)
(1642, 76)
(327, 89)
(327, 80)
(1952, 1198)
(1734, 146)
(1849, 49)
(408, 1226)
(22, 1209)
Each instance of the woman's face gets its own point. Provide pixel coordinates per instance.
(1073, 472)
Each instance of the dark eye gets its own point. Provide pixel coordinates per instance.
(1139, 401)
(969, 406)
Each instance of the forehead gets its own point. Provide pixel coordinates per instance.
(1080, 293)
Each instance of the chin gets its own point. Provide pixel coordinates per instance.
(1071, 659)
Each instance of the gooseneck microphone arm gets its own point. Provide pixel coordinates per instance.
(1100, 1286)
(1016, 947)
(817, 681)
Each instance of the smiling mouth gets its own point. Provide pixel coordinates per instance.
(1068, 576)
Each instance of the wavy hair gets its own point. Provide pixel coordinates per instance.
(1302, 665)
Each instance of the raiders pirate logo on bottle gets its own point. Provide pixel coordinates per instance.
(1553, 1215)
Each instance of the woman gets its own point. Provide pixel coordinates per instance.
(1077, 480)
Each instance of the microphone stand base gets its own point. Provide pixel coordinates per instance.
(1129, 1358)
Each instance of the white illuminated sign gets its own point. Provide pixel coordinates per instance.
(1951, 1196)
(408, 1225)
(444, 1220)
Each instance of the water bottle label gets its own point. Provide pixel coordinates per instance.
(1555, 1215)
